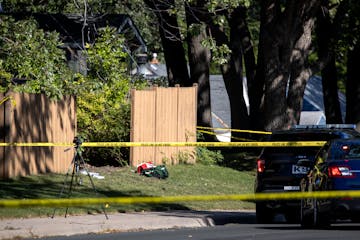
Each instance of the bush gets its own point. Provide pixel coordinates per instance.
(101, 120)
(208, 157)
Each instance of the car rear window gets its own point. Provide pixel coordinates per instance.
(345, 151)
(304, 137)
(294, 153)
(291, 151)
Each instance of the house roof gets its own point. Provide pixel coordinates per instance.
(73, 28)
(150, 70)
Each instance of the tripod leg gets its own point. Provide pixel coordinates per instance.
(92, 183)
(71, 187)
(65, 181)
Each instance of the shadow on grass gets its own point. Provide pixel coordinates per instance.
(50, 187)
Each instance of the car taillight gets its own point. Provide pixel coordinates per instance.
(340, 172)
(260, 165)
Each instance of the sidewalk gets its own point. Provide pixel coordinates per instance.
(61, 226)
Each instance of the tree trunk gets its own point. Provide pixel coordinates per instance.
(239, 111)
(274, 71)
(353, 70)
(257, 86)
(299, 74)
(174, 52)
(330, 93)
(329, 73)
(256, 92)
(285, 27)
(353, 87)
(199, 61)
(250, 68)
(247, 47)
(232, 70)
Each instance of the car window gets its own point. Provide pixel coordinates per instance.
(294, 150)
(354, 152)
(345, 151)
(299, 152)
(306, 136)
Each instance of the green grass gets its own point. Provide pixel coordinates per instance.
(183, 180)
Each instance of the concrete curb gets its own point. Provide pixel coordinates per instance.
(72, 225)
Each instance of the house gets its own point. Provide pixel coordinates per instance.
(150, 69)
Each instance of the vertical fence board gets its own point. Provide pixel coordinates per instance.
(162, 115)
(70, 124)
(56, 120)
(143, 125)
(2, 135)
(7, 121)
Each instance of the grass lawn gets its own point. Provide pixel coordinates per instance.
(183, 180)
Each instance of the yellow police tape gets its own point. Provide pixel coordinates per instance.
(229, 137)
(235, 130)
(172, 144)
(170, 199)
(36, 144)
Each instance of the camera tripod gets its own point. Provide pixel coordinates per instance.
(76, 165)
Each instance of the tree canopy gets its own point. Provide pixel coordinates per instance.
(30, 55)
(276, 44)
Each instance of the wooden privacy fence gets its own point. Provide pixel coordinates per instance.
(28, 118)
(163, 115)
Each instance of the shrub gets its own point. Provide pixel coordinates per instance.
(102, 120)
(208, 157)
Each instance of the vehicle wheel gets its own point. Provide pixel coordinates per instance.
(355, 219)
(292, 216)
(306, 219)
(321, 218)
(312, 217)
(263, 214)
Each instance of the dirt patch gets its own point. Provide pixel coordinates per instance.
(103, 169)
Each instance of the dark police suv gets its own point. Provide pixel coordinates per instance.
(278, 168)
